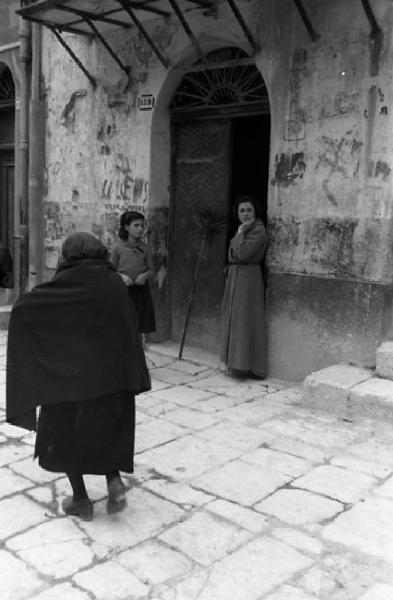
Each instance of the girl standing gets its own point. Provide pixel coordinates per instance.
(133, 262)
(243, 326)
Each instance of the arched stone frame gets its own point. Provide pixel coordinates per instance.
(161, 161)
(9, 60)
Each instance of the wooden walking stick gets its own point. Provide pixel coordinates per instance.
(209, 224)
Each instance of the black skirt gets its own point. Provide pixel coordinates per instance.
(93, 436)
(141, 297)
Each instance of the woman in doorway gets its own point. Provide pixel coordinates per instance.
(132, 259)
(74, 350)
(243, 324)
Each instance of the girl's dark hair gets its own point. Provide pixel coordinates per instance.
(126, 218)
(246, 198)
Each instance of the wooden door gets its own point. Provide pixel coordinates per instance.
(201, 183)
(7, 180)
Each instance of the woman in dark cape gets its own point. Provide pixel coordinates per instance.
(74, 350)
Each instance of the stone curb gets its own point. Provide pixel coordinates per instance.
(349, 392)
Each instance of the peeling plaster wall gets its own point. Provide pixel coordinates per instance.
(330, 208)
(97, 147)
(330, 203)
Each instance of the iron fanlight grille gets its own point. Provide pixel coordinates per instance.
(7, 89)
(236, 83)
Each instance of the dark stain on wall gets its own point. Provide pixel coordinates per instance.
(356, 146)
(52, 210)
(338, 157)
(283, 237)
(345, 102)
(289, 168)
(53, 225)
(340, 321)
(139, 185)
(331, 245)
(297, 75)
(371, 112)
(375, 49)
(68, 115)
(382, 168)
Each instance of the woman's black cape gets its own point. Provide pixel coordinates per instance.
(71, 339)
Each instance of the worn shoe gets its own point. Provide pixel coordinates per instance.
(237, 373)
(116, 496)
(80, 508)
(254, 375)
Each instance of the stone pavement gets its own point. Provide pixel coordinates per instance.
(240, 493)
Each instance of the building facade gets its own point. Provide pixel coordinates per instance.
(290, 101)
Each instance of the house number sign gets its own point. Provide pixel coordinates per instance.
(146, 102)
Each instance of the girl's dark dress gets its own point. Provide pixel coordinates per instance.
(132, 259)
(74, 350)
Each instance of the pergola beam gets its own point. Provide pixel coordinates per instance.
(108, 47)
(73, 56)
(187, 29)
(90, 16)
(375, 28)
(145, 7)
(52, 26)
(306, 20)
(164, 61)
(243, 25)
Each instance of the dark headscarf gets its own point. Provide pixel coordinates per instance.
(73, 338)
(81, 245)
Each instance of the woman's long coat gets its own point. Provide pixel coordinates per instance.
(243, 326)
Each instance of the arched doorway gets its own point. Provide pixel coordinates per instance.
(221, 139)
(7, 176)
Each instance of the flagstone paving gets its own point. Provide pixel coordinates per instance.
(240, 493)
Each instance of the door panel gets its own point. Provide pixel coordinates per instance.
(201, 178)
(7, 174)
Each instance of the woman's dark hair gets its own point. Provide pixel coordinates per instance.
(246, 198)
(126, 218)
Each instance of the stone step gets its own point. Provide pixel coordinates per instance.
(5, 312)
(349, 392)
(384, 365)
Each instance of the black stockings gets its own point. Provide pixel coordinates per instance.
(111, 476)
(79, 491)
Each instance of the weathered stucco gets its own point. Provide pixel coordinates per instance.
(329, 202)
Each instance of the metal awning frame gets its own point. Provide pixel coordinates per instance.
(72, 54)
(306, 21)
(129, 6)
(376, 31)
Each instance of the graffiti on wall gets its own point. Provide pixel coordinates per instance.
(338, 160)
(123, 186)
